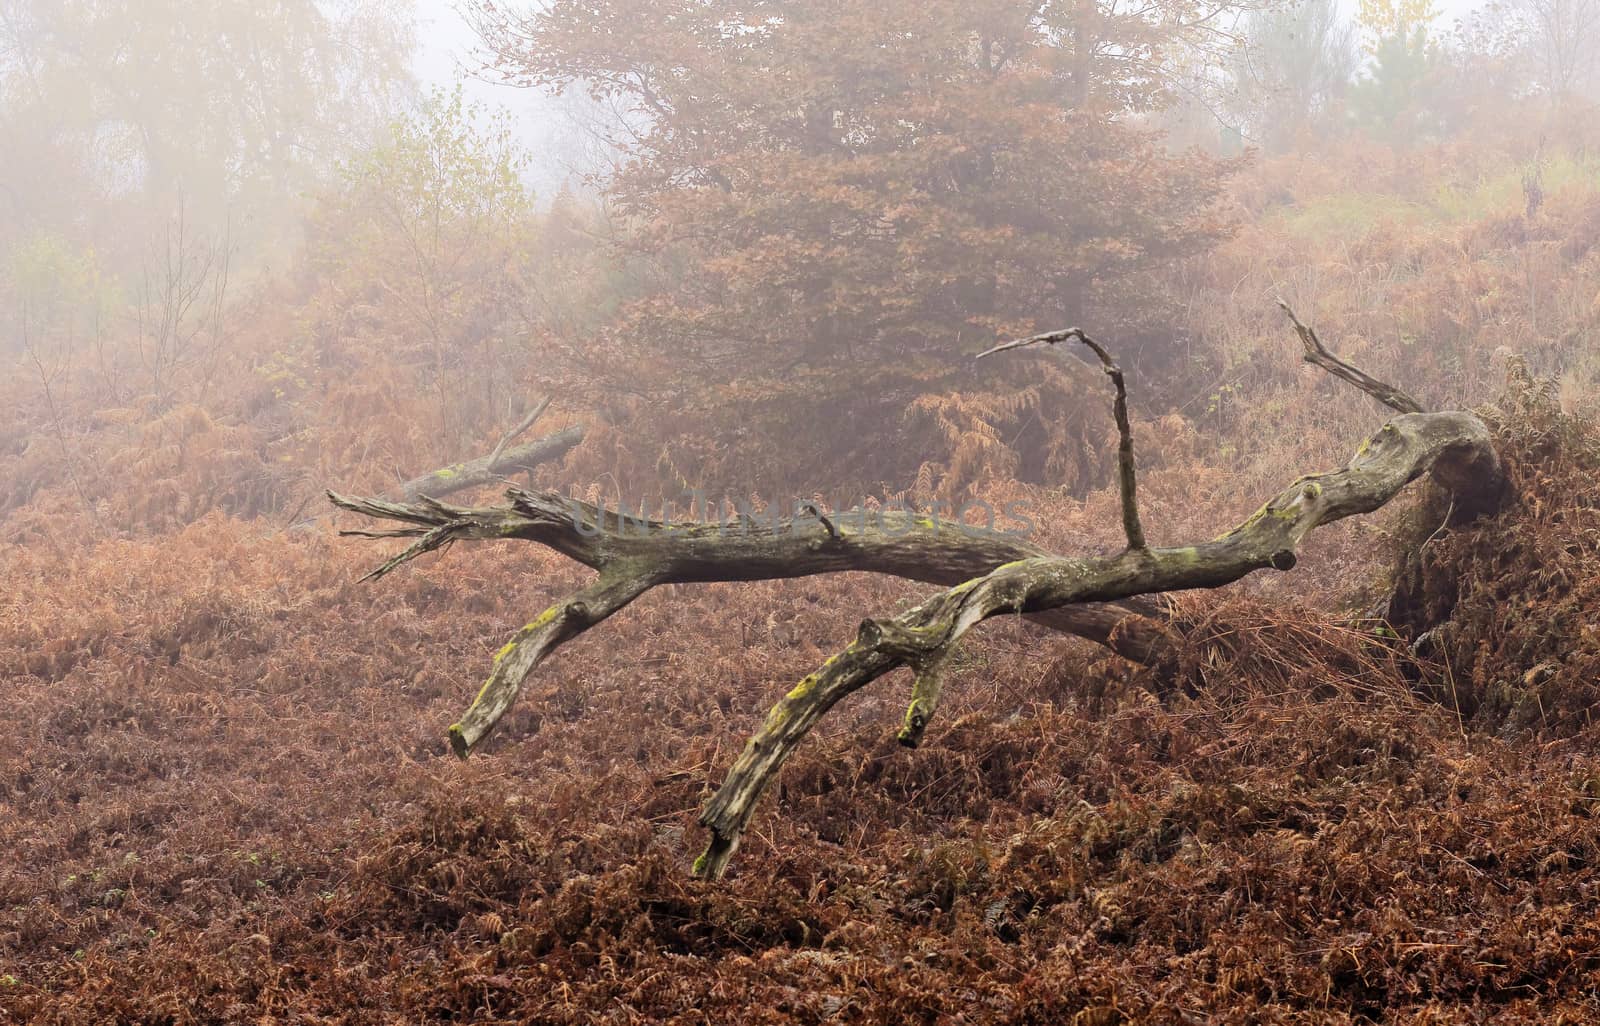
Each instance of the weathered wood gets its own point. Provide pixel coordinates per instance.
(1317, 354)
(1114, 600)
(641, 553)
(488, 469)
(1455, 447)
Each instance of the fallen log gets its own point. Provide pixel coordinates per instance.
(1113, 599)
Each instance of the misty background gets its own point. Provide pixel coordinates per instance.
(759, 247)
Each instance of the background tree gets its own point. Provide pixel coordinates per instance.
(229, 107)
(1565, 39)
(1293, 66)
(842, 201)
(426, 238)
(1383, 19)
(1395, 98)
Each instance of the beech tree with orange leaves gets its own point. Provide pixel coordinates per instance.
(844, 201)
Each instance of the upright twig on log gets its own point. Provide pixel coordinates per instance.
(1128, 488)
(822, 518)
(1317, 353)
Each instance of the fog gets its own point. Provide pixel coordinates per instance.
(1128, 468)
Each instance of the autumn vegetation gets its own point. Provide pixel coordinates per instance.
(1361, 790)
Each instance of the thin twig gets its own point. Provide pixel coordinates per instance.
(816, 511)
(1131, 526)
(514, 433)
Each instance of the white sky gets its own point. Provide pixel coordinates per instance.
(445, 55)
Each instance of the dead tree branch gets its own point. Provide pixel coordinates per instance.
(1317, 353)
(500, 463)
(1113, 600)
(516, 432)
(635, 555)
(1455, 447)
(1127, 483)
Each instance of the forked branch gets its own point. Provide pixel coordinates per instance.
(1455, 447)
(1127, 483)
(524, 424)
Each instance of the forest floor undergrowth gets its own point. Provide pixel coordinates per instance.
(228, 799)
